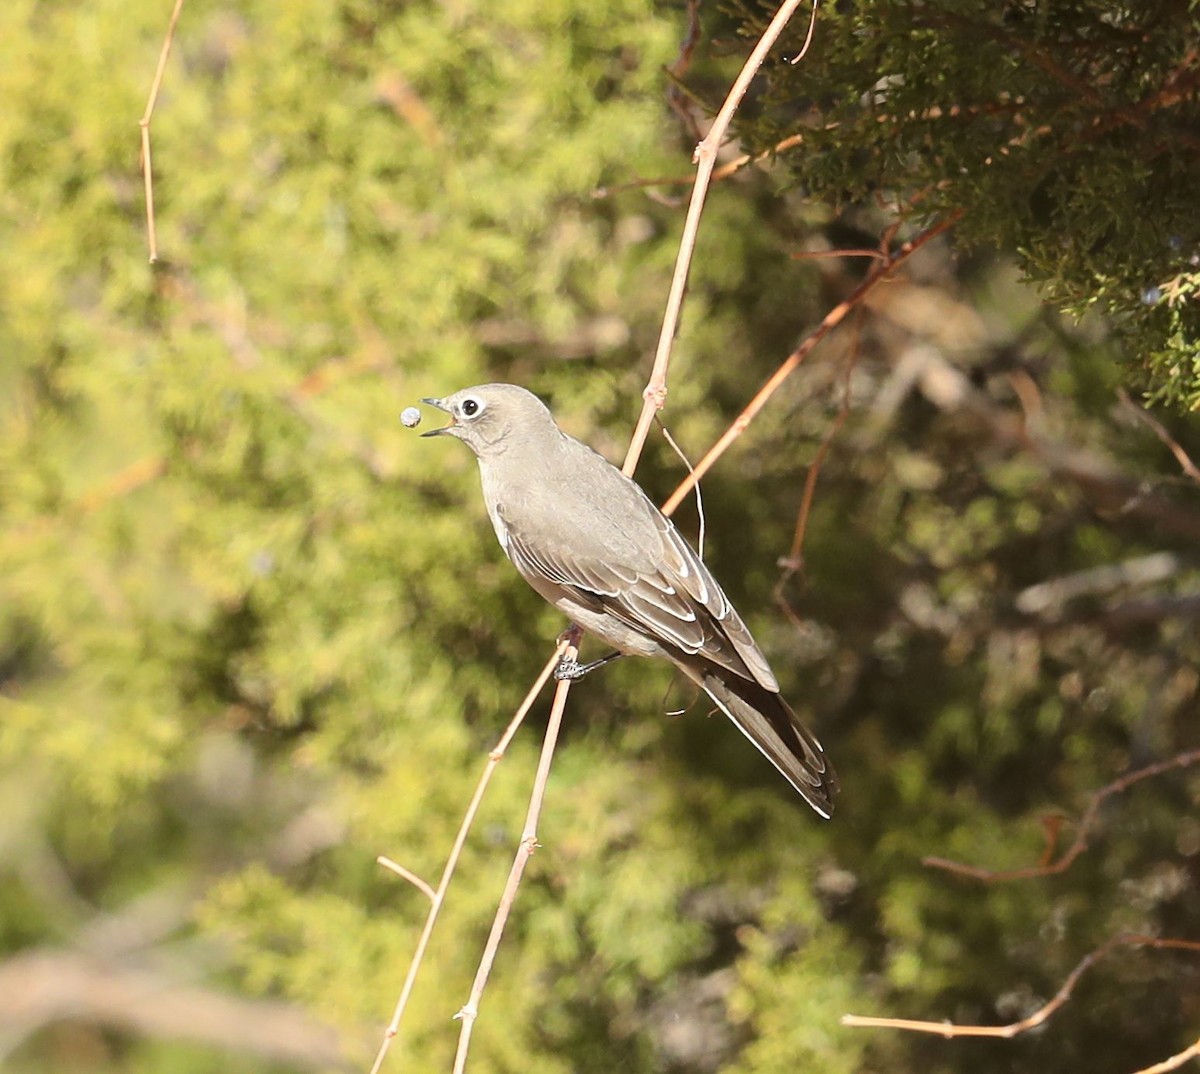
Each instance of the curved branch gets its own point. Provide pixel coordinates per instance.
(654, 395)
(1086, 823)
(950, 1029)
(832, 319)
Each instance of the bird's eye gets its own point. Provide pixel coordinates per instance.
(470, 407)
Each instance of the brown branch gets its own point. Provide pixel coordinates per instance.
(729, 168)
(815, 255)
(687, 465)
(1048, 599)
(831, 320)
(1160, 430)
(569, 647)
(1173, 1062)
(324, 377)
(407, 874)
(126, 480)
(144, 123)
(438, 897)
(654, 395)
(1086, 823)
(43, 987)
(951, 1029)
(691, 39)
(1111, 492)
(793, 561)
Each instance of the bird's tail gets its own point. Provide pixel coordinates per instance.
(767, 721)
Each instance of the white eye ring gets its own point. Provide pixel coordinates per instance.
(471, 407)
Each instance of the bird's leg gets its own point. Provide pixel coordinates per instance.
(572, 669)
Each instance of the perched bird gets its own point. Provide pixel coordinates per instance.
(592, 543)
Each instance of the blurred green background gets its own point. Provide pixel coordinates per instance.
(253, 632)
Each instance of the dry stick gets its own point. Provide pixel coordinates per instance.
(725, 171)
(705, 157)
(438, 897)
(1174, 1062)
(1086, 821)
(417, 882)
(794, 561)
(144, 123)
(832, 319)
(1160, 430)
(950, 1029)
(699, 498)
(525, 849)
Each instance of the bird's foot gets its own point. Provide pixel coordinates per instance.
(572, 669)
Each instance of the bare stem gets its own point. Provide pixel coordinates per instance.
(1049, 867)
(832, 319)
(144, 123)
(654, 395)
(950, 1029)
(525, 849)
(417, 882)
(1173, 1062)
(438, 896)
(1160, 430)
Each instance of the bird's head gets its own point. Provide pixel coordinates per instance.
(491, 418)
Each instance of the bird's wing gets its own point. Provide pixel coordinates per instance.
(636, 567)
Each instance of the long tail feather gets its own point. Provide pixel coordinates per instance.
(767, 721)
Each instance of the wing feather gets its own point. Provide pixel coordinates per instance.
(669, 595)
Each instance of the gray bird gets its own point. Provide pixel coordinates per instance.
(592, 543)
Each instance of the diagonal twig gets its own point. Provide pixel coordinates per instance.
(144, 123)
(951, 1029)
(699, 496)
(705, 157)
(417, 882)
(1053, 867)
(831, 320)
(1160, 430)
(725, 171)
(438, 896)
(1173, 1062)
(157, 999)
(794, 559)
(470, 1011)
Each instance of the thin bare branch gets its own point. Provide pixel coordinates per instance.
(1173, 1062)
(439, 896)
(950, 1029)
(725, 171)
(1086, 822)
(699, 497)
(144, 123)
(812, 26)
(408, 875)
(128, 479)
(569, 650)
(42, 987)
(654, 395)
(1048, 599)
(1112, 492)
(794, 561)
(678, 95)
(831, 320)
(816, 255)
(1160, 430)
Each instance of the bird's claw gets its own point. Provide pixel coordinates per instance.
(569, 670)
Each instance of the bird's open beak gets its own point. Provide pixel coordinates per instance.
(445, 428)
